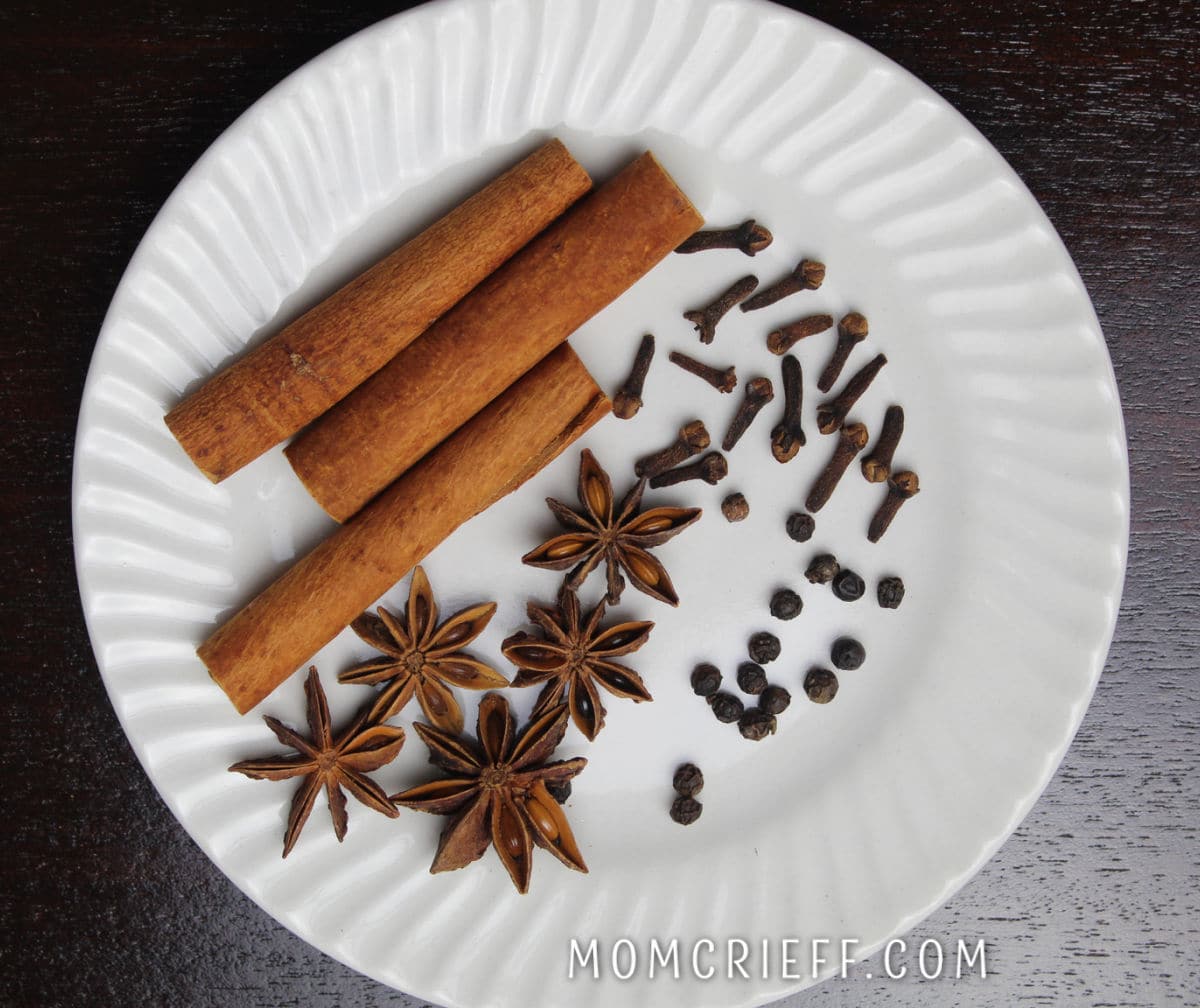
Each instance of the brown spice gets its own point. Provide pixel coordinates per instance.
(852, 330)
(832, 414)
(706, 319)
(628, 399)
(497, 332)
(620, 536)
(749, 237)
(712, 469)
(758, 392)
(286, 382)
(787, 437)
(851, 440)
(688, 780)
(421, 658)
(822, 569)
(573, 657)
(901, 486)
(877, 466)
(328, 764)
(497, 791)
(691, 440)
(756, 724)
(820, 685)
(722, 379)
(685, 811)
(783, 339)
(808, 275)
(735, 507)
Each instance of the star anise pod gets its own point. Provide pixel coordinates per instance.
(423, 658)
(497, 791)
(574, 657)
(621, 537)
(329, 763)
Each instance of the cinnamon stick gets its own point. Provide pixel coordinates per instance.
(294, 377)
(494, 453)
(586, 259)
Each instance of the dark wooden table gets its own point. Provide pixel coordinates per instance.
(1095, 900)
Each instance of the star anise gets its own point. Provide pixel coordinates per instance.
(423, 658)
(497, 792)
(329, 763)
(574, 657)
(622, 538)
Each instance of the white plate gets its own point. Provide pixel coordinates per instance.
(856, 819)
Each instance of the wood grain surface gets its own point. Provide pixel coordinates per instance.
(103, 897)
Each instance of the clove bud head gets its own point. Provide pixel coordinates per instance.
(713, 468)
(853, 326)
(904, 484)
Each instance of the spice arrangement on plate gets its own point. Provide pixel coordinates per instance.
(472, 391)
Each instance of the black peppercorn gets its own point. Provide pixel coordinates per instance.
(821, 685)
(786, 604)
(823, 568)
(763, 647)
(560, 791)
(727, 707)
(689, 781)
(756, 724)
(775, 700)
(890, 592)
(686, 811)
(706, 679)
(800, 526)
(751, 678)
(847, 653)
(848, 586)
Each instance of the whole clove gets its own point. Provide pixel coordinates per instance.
(800, 526)
(749, 237)
(877, 466)
(726, 707)
(852, 330)
(758, 392)
(751, 678)
(763, 647)
(688, 780)
(706, 679)
(628, 399)
(756, 724)
(901, 486)
(735, 507)
(783, 339)
(889, 592)
(807, 275)
(786, 604)
(685, 811)
(691, 440)
(722, 379)
(787, 438)
(712, 469)
(775, 700)
(848, 586)
(822, 569)
(851, 440)
(847, 654)
(832, 414)
(820, 685)
(705, 319)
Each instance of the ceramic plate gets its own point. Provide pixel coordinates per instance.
(857, 818)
